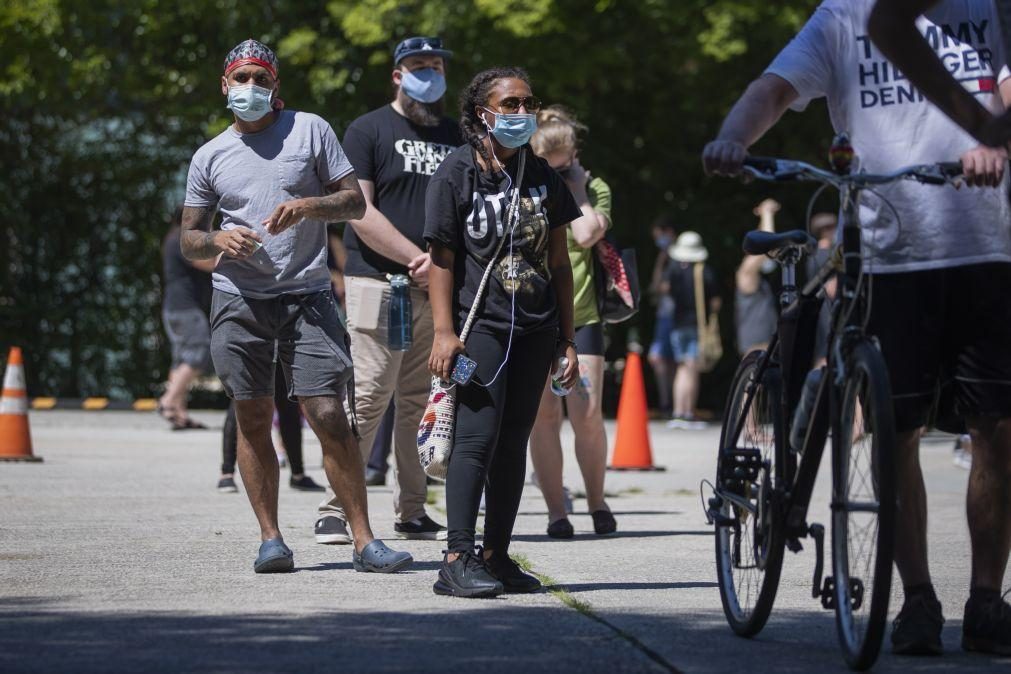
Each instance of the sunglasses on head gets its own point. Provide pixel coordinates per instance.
(421, 42)
(512, 104)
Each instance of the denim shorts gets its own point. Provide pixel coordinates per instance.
(661, 346)
(303, 332)
(684, 343)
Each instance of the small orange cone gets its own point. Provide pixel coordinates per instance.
(15, 438)
(631, 444)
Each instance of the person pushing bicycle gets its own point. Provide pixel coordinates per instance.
(940, 263)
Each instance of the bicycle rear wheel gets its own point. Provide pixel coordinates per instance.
(749, 531)
(863, 505)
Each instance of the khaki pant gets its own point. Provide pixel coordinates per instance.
(381, 374)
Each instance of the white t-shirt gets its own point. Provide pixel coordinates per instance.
(892, 125)
(246, 176)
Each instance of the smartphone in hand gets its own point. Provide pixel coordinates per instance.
(463, 370)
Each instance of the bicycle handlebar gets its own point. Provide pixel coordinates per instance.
(783, 170)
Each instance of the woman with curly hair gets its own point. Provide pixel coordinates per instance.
(556, 140)
(524, 320)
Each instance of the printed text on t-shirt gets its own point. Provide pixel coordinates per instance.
(421, 157)
(961, 49)
(491, 206)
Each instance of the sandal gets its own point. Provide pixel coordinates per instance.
(187, 424)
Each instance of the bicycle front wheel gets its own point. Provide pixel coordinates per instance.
(863, 505)
(749, 531)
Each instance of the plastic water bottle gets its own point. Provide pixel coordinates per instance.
(556, 377)
(802, 416)
(400, 326)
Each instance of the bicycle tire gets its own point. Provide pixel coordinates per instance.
(748, 597)
(863, 504)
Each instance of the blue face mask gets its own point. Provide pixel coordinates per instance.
(249, 102)
(425, 85)
(512, 130)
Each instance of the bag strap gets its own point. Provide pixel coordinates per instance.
(512, 216)
(700, 301)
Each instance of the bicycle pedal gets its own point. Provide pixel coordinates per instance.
(828, 594)
(794, 545)
(741, 465)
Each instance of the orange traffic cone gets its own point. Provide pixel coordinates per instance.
(15, 439)
(631, 444)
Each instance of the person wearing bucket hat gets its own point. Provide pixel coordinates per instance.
(395, 149)
(277, 176)
(688, 251)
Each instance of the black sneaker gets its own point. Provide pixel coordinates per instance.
(226, 485)
(513, 578)
(305, 483)
(332, 530)
(561, 529)
(917, 628)
(423, 529)
(468, 577)
(986, 626)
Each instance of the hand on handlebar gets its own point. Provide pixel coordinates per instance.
(984, 166)
(723, 157)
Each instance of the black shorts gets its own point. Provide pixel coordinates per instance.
(946, 336)
(590, 340)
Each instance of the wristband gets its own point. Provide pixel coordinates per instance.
(564, 340)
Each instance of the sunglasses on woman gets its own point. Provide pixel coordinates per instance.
(512, 104)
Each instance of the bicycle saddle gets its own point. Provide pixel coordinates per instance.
(763, 243)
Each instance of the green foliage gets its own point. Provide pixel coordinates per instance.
(105, 101)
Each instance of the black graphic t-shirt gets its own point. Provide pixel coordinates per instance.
(681, 278)
(466, 211)
(399, 157)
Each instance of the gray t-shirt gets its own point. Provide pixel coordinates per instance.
(757, 316)
(247, 176)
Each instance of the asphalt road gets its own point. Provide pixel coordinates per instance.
(118, 555)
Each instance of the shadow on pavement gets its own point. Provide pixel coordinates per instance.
(592, 587)
(476, 636)
(544, 538)
(493, 638)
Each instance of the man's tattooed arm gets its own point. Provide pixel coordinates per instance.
(344, 201)
(197, 239)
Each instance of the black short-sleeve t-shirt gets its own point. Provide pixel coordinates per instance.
(466, 212)
(681, 277)
(399, 157)
(186, 287)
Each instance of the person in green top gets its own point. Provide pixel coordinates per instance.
(556, 141)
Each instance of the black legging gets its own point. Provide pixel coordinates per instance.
(289, 419)
(492, 429)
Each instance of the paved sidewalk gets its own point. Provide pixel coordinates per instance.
(118, 555)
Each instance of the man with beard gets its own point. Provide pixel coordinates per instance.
(395, 150)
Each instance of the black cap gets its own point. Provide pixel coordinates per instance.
(431, 46)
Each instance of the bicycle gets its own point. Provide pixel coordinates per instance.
(770, 452)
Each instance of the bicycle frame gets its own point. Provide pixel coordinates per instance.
(798, 321)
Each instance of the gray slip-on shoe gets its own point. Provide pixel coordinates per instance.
(274, 557)
(377, 558)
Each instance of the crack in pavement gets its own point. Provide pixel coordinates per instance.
(584, 608)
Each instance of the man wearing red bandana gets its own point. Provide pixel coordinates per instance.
(277, 177)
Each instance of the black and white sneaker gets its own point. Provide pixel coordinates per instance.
(226, 485)
(332, 530)
(467, 576)
(423, 529)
